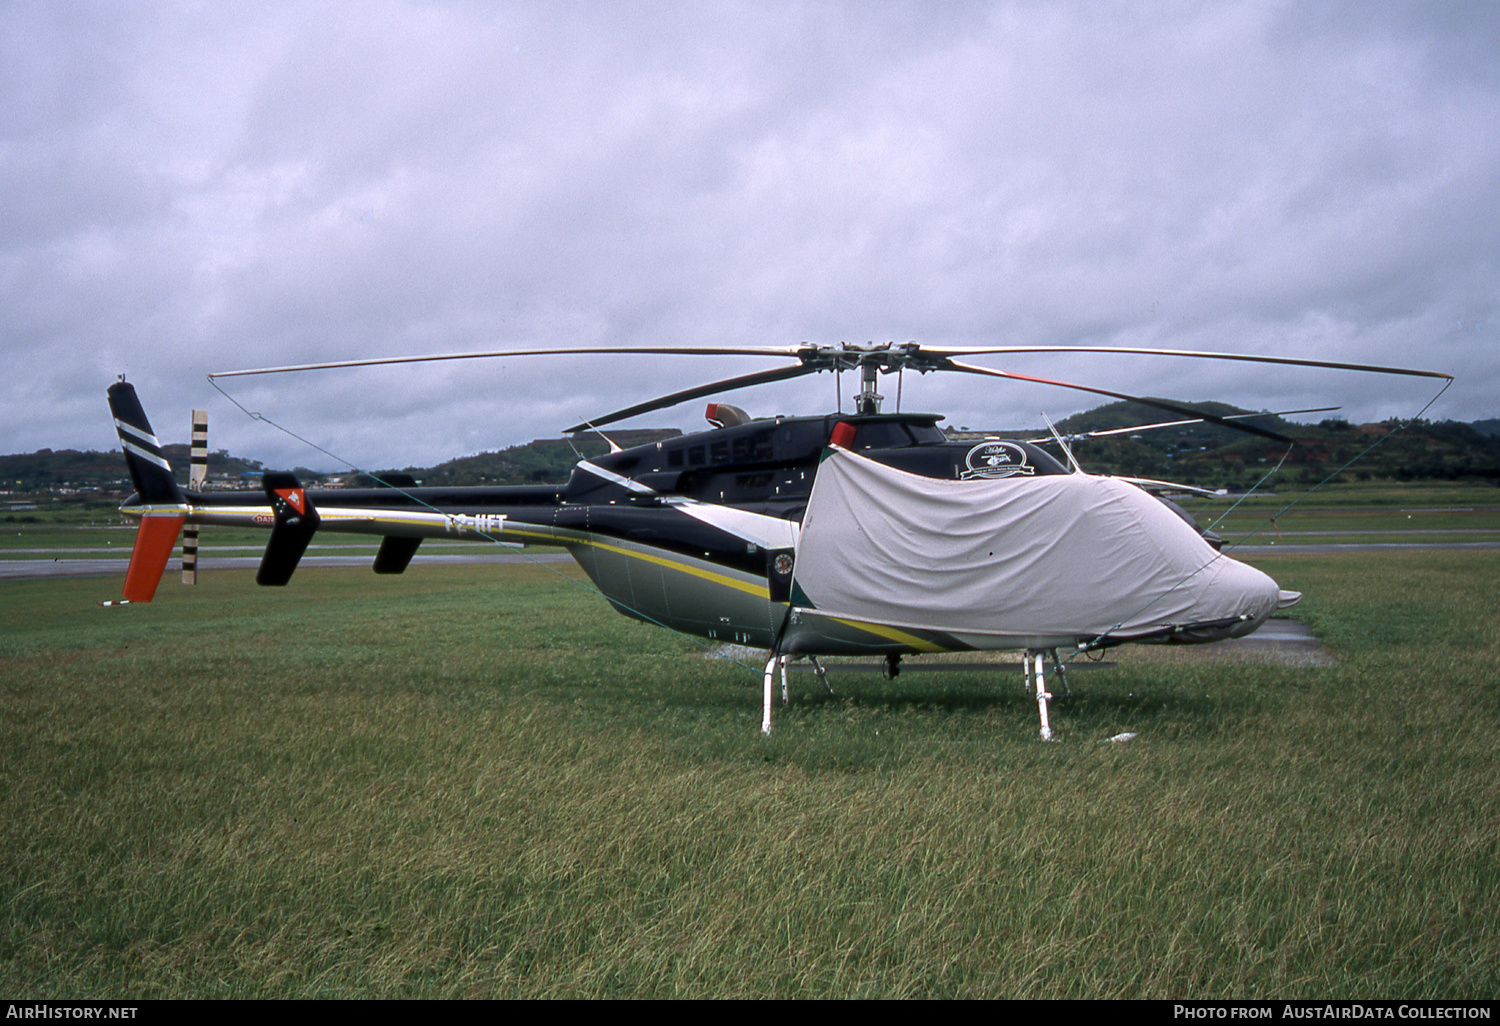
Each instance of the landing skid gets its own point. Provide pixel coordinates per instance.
(1033, 664)
(767, 690)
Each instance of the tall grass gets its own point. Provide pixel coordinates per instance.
(482, 782)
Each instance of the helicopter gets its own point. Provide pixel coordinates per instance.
(861, 533)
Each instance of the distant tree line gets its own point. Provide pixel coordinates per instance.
(1214, 456)
(1208, 455)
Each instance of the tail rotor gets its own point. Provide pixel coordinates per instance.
(197, 482)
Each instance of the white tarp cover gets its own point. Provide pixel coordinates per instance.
(1055, 555)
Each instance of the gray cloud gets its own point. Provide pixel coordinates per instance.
(202, 187)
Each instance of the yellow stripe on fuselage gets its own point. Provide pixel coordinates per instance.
(891, 634)
(758, 590)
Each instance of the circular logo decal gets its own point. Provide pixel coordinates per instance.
(996, 460)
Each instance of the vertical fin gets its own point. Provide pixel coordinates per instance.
(154, 541)
(159, 501)
(150, 472)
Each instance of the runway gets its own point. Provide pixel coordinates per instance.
(1244, 552)
(67, 566)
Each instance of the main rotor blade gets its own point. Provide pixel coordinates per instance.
(1176, 423)
(786, 351)
(727, 385)
(910, 354)
(1203, 355)
(1160, 404)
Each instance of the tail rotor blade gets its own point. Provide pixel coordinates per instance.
(197, 480)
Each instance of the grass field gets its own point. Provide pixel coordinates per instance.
(481, 782)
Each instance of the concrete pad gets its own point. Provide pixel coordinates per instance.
(1279, 642)
(1282, 642)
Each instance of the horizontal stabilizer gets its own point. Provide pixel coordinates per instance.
(296, 522)
(395, 554)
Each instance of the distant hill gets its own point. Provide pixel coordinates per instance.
(64, 468)
(69, 470)
(543, 461)
(1210, 455)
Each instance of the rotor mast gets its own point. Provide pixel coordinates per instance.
(868, 400)
(871, 358)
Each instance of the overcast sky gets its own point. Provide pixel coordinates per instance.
(194, 187)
